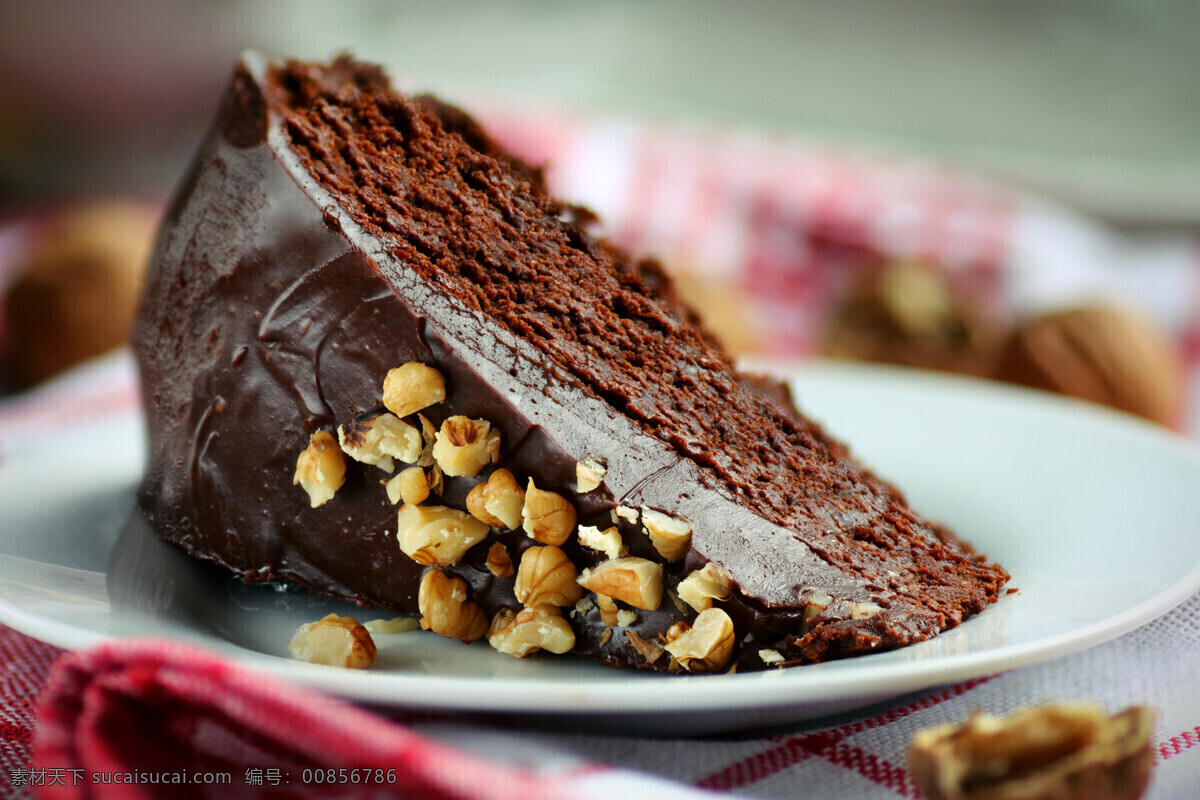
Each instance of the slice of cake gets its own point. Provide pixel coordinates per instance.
(380, 361)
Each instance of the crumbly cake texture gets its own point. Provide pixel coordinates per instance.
(670, 512)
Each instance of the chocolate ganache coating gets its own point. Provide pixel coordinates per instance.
(282, 292)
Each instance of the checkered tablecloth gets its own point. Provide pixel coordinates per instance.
(781, 221)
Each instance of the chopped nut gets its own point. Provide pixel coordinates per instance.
(649, 649)
(817, 602)
(436, 534)
(320, 468)
(589, 473)
(380, 439)
(626, 513)
(1068, 752)
(707, 645)
(864, 610)
(498, 501)
(533, 629)
(445, 609)
(547, 516)
(583, 606)
(434, 479)
(333, 640)
(428, 437)
(504, 498)
(704, 585)
(625, 618)
(605, 637)
(391, 626)
(546, 576)
(499, 563)
(770, 656)
(631, 580)
(478, 510)
(410, 486)
(412, 387)
(608, 609)
(606, 541)
(670, 535)
(464, 446)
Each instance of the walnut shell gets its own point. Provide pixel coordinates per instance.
(78, 291)
(1053, 752)
(1111, 356)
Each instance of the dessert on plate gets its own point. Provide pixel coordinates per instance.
(381, 361)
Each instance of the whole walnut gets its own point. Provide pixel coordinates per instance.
(1104, 354)
(78, 289)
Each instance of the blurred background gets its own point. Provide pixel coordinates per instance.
(1092, 102)
(1084, 117)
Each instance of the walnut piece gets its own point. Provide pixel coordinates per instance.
(446, 609)
(436, 534)
(606, 541)
(412, 387)
(410, 485)
(631, 580)
(498, 501)
(707, 645)
(670, 535)
(546, 576)
(704, 585)
(320, 468)
(1067, 751)
(547, 516)
(533, 629)
(499, 563)
(333, 640)
(381, 440)
(589, 473)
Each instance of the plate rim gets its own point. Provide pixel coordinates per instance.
(640, 694)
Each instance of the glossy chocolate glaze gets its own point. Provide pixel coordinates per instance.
(270, 313)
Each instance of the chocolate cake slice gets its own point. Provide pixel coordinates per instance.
(382, 362)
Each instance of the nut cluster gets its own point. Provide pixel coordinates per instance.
(545, 580)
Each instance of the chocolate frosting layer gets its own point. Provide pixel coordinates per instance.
(271, 313)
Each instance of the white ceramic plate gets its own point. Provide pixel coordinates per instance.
(1093, 512)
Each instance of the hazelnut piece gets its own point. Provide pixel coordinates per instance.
(333, 640)
(704, 585)
(499, 563)
(606, 541)
(464, 446)
(445, 608)
(707, 645)
(670, 535)
(589, 473)
(410, 485)
(631, 580)
(436, 534)
(321, 468)
(499, 501)
(380, 439)
(546, 576)
(412, 387)
(537, 628)
(547, 516)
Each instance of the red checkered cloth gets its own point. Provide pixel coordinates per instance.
(785, 222)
